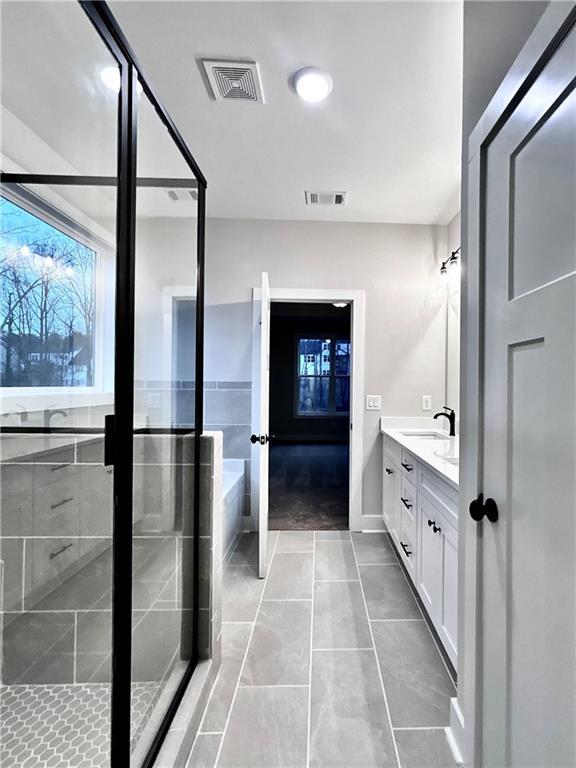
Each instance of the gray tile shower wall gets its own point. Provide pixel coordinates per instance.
(55, 549)
(228, 409)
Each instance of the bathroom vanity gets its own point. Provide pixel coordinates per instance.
(420, 511)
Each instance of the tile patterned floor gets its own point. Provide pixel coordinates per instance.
(63, 726)
(328, 663)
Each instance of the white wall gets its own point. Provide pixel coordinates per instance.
(397, 266)
(453, 323)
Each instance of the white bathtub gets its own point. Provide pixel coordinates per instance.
(234, 485)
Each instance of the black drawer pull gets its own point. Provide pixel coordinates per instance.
(389, 471)
(436, 529)
(61, 503)
(406, 503)
(408, 467)
(59, 551)
(431, 523)
(405, 548)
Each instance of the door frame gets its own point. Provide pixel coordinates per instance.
(357, 300)
(547, 36)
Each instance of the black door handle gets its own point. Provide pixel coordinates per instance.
(431, 523)
(405, 548)
(389, 471)
(405, 502)
(407, 467)
(480, 508)
(436, 528)
(262, 439)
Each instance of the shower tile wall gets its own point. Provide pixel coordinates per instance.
(56, 503)
(56, 555)
(228, 409)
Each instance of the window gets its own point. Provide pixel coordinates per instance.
(323, 377)
(47, 303)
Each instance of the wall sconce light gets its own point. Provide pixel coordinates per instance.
(451, 263)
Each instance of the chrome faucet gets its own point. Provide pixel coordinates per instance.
(451, 416)
(49, 412)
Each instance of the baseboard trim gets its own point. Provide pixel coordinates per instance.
(455, 732)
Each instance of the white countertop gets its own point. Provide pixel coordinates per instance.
(429, 450)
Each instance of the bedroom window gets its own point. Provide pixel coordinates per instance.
(323, 376)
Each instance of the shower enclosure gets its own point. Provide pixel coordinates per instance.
(101, 240)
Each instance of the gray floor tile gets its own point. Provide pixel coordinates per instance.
(295, 541)
(241, 590)
(387, 593)
(234, 641)
(373, 548)
(267, 729)
(349, 724)
(272, 539)
(424, 749)
(335, 560)
(340, 616)
(290, 576)
(331, 535)
(205, 751)
(415, 679)
(279, 652)
(246, 550)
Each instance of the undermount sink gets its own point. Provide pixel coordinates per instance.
(426, 435)
(454, 460)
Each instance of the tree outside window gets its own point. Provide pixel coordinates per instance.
(323, 376)
(47, 303)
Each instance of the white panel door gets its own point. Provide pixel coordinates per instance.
(260, 439)
(528, 431)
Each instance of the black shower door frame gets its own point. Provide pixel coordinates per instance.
(119, 431)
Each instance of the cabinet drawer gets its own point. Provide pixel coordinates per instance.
(440, 493)
(408, 465)
(392, 447)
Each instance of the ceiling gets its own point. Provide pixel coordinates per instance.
(389, 134)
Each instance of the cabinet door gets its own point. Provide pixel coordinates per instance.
(448, 618)
(429, 572)
(391, 494)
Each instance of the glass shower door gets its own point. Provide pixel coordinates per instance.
(163, 574)
(57, 298)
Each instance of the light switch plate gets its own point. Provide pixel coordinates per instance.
(373, 402)
(426, 402)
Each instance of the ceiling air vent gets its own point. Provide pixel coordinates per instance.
(181, 194)
(234, 80)
(325, 198)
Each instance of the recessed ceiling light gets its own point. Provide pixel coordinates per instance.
(339, 304)
(312, 84)
(110, 76)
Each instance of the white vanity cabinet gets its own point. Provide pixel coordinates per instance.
(437, 571)
(392, 489)
(420, 510)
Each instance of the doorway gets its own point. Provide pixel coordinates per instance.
(310, 353)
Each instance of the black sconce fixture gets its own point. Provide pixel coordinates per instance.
(449, 263)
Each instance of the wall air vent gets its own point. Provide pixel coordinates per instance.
(234, 80)
(182, 195)
(325, 198)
